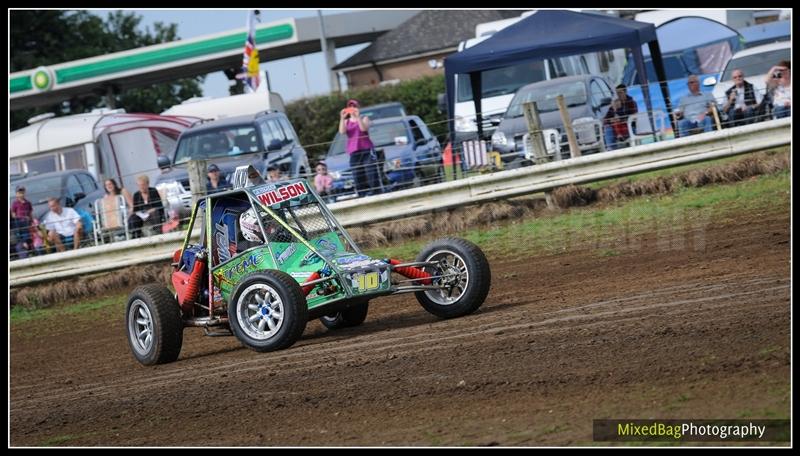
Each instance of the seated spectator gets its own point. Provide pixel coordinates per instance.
(615, 123)
(21, 222)
(740, 101)
(63, 225)
(110, 204)
(216, 181)
(695, 110)
(147, 208)
(274, 174)
(323, 182)
(779, 89)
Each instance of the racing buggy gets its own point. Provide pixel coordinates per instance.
(271, 257)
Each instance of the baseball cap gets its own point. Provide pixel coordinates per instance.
(212, 167)
(352, 102)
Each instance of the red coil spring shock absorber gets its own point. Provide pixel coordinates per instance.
(194, 280)
(307, 288)
(411, 272)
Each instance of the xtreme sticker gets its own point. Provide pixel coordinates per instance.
(250, 262)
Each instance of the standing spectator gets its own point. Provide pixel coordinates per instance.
(740, 101)
(323, 182)
(695, 109)
(147, 208)
(615, 128)
(216, 181)
(363, 159)
(63, 225)
(779, 89)
(110, 204)
(21, 218)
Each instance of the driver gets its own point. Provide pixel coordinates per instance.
(251, 231)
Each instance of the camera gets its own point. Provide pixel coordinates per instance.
(777, 75)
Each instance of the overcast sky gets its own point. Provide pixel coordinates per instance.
(293, 78)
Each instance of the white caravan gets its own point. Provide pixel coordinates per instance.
(107, 143)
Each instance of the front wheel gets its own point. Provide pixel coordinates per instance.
(347, 318)
(154, 324)
(268, 311)
(462, 274)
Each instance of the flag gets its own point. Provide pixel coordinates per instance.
(250, 57)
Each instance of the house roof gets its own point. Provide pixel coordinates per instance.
(428, 31)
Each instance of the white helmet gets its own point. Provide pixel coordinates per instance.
(248, 222)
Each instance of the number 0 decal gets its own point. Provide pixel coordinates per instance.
(368, 281)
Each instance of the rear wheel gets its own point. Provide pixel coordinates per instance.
(347, 318)
(154, 324)
(267, 311)
(462, 273)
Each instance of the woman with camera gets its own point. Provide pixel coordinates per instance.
(363, 159)
(779, 89)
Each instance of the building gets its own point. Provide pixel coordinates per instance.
(416, 47)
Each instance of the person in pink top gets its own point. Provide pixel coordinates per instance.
(323, 182)
(363, 159)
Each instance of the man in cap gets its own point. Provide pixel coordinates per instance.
(216, 181)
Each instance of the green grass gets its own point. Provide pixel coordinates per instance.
(20, 314)
(672, 171)
(560, 233)
(687, 206)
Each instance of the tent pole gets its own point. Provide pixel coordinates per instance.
(658, 63)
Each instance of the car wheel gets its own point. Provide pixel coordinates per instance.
(154, 325)
(347, 318)
(267, 311)
(463, 274)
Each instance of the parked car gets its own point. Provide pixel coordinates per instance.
(74, 188)
(754, 62)
(384, 110)
(408, 154)
(263, 140)
(587, 98)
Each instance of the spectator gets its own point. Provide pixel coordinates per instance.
(274, 174)
(63, 225)
(110, 204)
(147, 208)
(615, 128)
(740, 101)
(363, 159)
(694, 110)
(216, 181)
(779, 89)
(21, 218)
(323, 182)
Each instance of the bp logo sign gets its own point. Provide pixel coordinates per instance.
(42, 79)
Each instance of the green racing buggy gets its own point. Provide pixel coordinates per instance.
(271, 257)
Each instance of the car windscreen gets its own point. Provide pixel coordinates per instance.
(383, 112)
(38, 190)
(221, 142)
(755, 64)
(389, 134)
(545, 97)
(501, 81)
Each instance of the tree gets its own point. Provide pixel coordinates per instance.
(49, 37)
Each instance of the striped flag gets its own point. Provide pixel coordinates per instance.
(250, 58)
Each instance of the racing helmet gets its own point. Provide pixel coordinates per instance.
(248, 223)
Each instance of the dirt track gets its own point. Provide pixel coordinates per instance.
(647, 332)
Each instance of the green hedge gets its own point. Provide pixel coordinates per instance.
(317, 119)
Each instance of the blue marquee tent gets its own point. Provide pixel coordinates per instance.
(549, 34)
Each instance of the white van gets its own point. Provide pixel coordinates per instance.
(232, 106)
